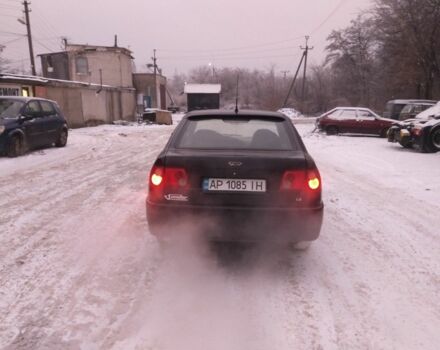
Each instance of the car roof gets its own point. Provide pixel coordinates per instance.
(352, 108)
(24, 99)
(404, 101)
(240, 113)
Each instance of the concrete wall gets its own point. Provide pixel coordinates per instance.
(83, 106)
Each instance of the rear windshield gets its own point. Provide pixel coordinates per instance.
(237, 133)
(394, 109)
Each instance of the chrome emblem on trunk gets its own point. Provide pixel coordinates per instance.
(231, 163)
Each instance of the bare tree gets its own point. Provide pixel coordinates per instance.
(409, 35)
(351, 56)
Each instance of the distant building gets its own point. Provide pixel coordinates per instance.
(202, 96)
(109, 65)
(151, 90)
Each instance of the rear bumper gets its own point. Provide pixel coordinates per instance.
(279, 225)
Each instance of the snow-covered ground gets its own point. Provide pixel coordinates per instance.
(79, 270)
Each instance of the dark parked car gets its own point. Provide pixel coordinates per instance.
(28, 123)
(413, 109)
(246, 176)
(422, 132)
(354, 120)
(393, 108)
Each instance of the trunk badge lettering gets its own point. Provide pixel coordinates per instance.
(232, 163)
(176, 197)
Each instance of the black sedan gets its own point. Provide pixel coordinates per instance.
(27, 123)
(236, 176)
(422, 132)
(426, 136)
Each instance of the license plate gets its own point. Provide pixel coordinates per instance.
(234, 185)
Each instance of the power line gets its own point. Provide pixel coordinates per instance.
(235, 48)
(11, 41)
(194, 58)
(7, 7)
(43, 45)
(336, 9)
(11, 33)
(7, 15)
(232, 53)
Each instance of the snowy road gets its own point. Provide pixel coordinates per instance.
(78, 269)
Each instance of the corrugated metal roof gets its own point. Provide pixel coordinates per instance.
(202, 88)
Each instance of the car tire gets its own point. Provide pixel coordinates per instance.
(332, 130)
(408, 144)
(434, 139)
(383, 133)
(15, 147)
(301, 246)
(62, 138)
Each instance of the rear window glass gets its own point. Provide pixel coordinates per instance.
(236, 133)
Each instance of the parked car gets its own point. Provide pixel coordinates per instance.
(27, 123)
(353, 120)
(393, 108)
(246, 175)
(423, 131)
(292, 113)
(412, 109)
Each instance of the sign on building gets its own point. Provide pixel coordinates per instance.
(7, 90)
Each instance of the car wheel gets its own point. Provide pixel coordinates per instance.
(383, 133)
(435, 139)
(15, 147)
(332, 130)
(62, 139)
(406, 144)
(303, 245)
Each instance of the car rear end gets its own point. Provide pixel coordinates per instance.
(232, 190)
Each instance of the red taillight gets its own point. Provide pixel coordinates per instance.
(176, 178)
(293, 180)
(172, 179)
(297, 180)
(313, 180)
(156, 176)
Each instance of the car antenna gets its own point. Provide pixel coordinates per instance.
(236, 94)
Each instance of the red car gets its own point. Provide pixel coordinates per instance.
(353, 120)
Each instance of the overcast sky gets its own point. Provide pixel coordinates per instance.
(186, 33)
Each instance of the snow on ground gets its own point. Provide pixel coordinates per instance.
(79, 270)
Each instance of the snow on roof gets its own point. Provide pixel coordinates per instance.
(202, 88)
(434, 110)
(32, 78)
(406, 101)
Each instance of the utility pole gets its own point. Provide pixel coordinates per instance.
(294, 80)
(306, 52)
(155, 78)
(285, 73)
(29, 35)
